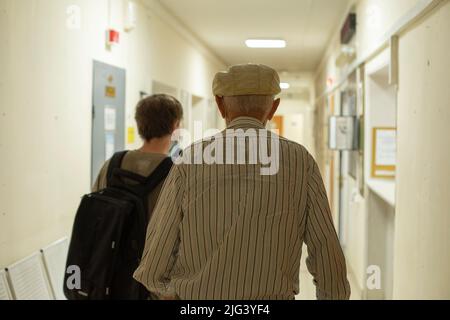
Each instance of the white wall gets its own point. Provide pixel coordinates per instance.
(374, 19)
(422, 224)
(45, 104)
(422, 251)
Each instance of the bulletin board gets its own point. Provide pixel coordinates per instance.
(384, 151)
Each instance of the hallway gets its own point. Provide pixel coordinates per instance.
(364, 90)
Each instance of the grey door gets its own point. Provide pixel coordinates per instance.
(108, 114)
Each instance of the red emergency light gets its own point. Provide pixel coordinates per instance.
(113, 37)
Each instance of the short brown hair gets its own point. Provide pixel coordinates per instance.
(157, 115)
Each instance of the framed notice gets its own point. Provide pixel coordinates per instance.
(384, 152)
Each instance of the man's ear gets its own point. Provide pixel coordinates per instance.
(221, 106)
(274, 109)
(177, 125)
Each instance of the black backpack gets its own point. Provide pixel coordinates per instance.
(109, 235)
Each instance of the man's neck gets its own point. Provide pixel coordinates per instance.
(259, 117)
(157, 145)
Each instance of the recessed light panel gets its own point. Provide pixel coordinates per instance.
(261, 43)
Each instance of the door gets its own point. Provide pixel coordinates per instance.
(277, 123)
(108, 114)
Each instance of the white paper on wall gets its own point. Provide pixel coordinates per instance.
(386, 148)
(109, 145)
(110, 119)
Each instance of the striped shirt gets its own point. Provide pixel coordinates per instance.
(226, 232)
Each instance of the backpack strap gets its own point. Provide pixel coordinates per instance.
(144, 185)
(158, 175)
(115, 163)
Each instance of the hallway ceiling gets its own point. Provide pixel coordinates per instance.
(224, 25)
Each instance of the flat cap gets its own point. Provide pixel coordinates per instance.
(247, 79)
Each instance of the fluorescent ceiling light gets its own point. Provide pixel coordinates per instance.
(258, 43)
(285, 85)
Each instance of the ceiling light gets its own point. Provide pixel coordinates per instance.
(285, 85)
(255, 43)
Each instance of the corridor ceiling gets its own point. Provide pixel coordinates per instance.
(224, 25)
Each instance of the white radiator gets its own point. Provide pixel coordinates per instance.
(55, 256)
(5, 292)
(28, 279)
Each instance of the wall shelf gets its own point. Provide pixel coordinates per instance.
(385, 189)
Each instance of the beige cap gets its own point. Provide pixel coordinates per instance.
(247, 79)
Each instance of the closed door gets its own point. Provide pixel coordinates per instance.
(108, 114)
(277, 123)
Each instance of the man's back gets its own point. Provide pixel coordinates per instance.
(238, 233)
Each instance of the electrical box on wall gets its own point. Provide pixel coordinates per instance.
(343, 133)
(349, 29)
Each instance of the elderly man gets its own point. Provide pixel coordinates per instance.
(228, 230)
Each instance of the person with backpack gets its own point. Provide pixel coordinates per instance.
(110, 227)
(157, 118)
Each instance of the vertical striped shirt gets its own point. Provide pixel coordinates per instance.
(226, 232)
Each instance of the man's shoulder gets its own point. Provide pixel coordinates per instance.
(292, 144)
(295, 147)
